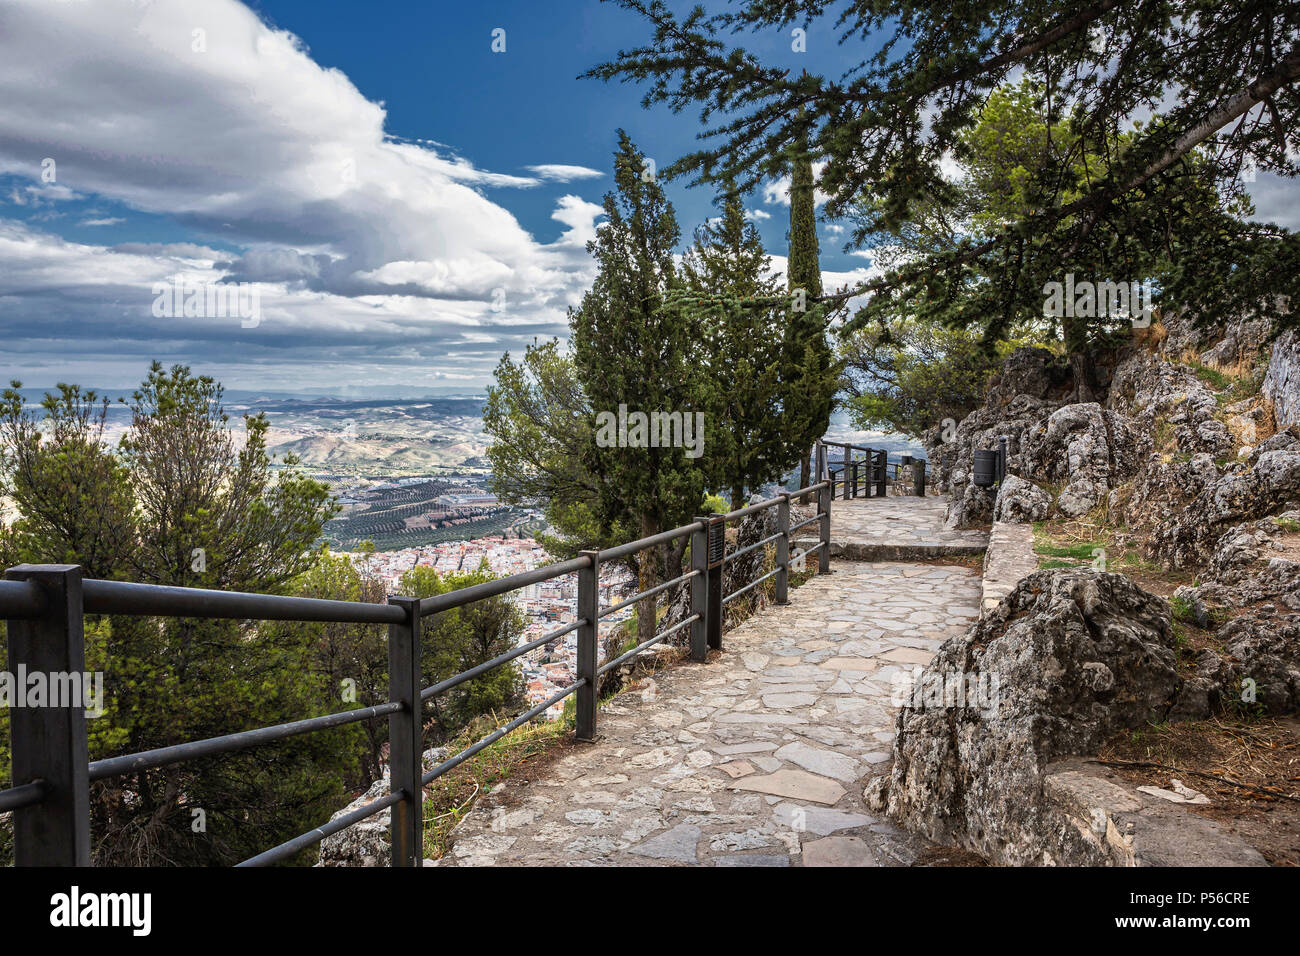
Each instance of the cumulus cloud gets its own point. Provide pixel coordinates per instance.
(354, 236)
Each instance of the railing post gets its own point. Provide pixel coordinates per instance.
(821, 463)
(854, 466)
(848, 485)
(882, 483)
(588, 640)
(406, 736)
(49, 743)
(918, 478)
(700, 589)
(783, 550)
(717, 551)
(824, 528)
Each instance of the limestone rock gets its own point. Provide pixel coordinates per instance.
(974, 509)
(1282, 382)
(1213, 501)
(362, 844)
(1021, 501)
(1075, 656)
(1268, 652)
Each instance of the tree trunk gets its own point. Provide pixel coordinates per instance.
(1082, 365)
(648, 574)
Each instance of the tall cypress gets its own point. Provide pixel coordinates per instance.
(807, 366)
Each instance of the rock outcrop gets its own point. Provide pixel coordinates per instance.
(1282, 382)
(1072, 657)
(362, 844)
(1021, 501)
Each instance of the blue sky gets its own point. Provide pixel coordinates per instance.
(406, 203)
(401, 203)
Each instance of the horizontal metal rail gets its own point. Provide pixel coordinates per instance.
(497, 734)
(26, 795)
(312, 837)
(212, 746)
(751, 509)
(478, 592)
(807, 551)
(628, 655)
(21, 600)
(753, 547)
(123, 597)
(805, 523)
(810, 489)
(27, 599)
(648, 592)
(632, 547)
(433, 690)
(750, 586)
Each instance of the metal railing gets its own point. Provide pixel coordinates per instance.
(869, 473)
(44, 608)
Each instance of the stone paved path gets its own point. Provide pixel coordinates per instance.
(896, 529)
(757, 758)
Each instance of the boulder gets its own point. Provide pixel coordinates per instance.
(1156, 395)
(362, 844)
(1021, 501)
(973, 509)
(1072, 657)
(1266, 650)
(1029, 370)
(1242, 341)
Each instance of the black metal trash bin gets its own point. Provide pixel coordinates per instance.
(985, 466)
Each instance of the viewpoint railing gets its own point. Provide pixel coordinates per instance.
(44, 608)
(870, 473)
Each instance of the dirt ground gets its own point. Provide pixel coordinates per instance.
(1257, 765)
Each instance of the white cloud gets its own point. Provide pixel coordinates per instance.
(777, 191)
(565, 174)
(282, 159)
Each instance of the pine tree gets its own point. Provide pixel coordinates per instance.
(726, 279)
(630, 351)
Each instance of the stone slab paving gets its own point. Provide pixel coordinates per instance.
(896, 529)
(1010, 557)
(756, 758)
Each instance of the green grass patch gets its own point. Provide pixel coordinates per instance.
(1212, 376)
(1080, 552)
(449, 798)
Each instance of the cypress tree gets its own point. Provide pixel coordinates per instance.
(630, 351)
(807, 370)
